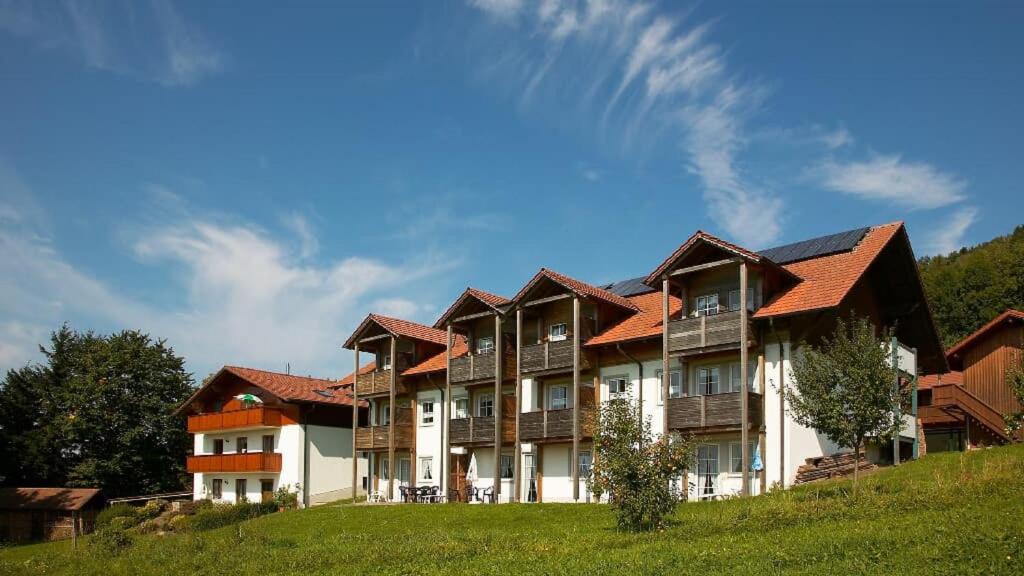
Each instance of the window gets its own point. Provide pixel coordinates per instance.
(485, 345)
(736, 457)
(268, 443)
(557, 332)
(506, 466)
(403, 470)
(734, 377)
(559, 399)
(218, 446)
(530, 464)
(385, 414)
(386, 364)
(462, 407)
(240, 490)
(266, 490)
(586, 462)
(242, 445)
(427, 468)
(485, 405)
(385, 468)
(217, 488)
(616, 385)
(708, 380)
(734, 300)
(675, 384)
(707, 305)
(427, 413)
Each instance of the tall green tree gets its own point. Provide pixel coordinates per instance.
(96, 412)
(969, 287)
(845, 387)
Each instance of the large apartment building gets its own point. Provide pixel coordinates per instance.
(256, 431)
(511, 383)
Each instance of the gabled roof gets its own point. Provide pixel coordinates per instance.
(933, 380)
(438, 362)
(287, 387)
(698, 237)
(46, 498)
(825, 281)
(1006, 317)
(577, 287)
(366, 369)
(399, 328)
(492, 301)
(645, 324)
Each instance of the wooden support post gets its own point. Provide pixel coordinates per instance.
(516, 465)
(745, 389)
(666, 377)
(446, 415)
(574, 467)
(392, 410)
(497, 406)
(782, 416)
(762, 440)
(355, 425)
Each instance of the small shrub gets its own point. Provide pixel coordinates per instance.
(285, 498)
(116, 511)
(151, 510)
(227, 514)
(149, 526)
(112, 539)
(123, 522)
(178, 523)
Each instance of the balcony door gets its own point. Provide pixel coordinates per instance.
(707, 471)
(531, 477)
(240, 490)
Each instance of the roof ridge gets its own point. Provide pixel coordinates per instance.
(275, 372)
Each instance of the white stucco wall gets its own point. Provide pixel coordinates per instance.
(330, 463)
(556, 480)
(429, 442)
(653, 407)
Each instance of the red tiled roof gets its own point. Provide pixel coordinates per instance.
(701, 235)
(366, 369)
(578, 287)
(645, 324)
(46, 498)
(290, 388)
(825, 281)
(1009, 315)
(932, 380)
(492, 300)
(439, 362)
(400, 327)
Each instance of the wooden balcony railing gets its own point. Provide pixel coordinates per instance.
(550, 356)
(377, 383)
(480, 430)
(376, 437)
(256, 417)
(481, 367)
(705, 331)
(554, 424)
(250, 462)
(714, 410)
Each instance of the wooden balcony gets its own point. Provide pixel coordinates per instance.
(479, 430)
(250, 462)
(550, 356)
(256, 417)
(481, 367)
(546, 425)
(717, 331)
(714, 411)
(377, 383)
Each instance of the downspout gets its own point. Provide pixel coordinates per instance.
(640, 388)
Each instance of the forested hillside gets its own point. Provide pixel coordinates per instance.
(970, 287)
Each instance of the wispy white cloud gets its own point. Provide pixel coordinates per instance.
(504, 9)
(148, 40)
(647, 75)
(838, 138)
(913, 185)
(303, 229)
(241, 295)
(948, 235)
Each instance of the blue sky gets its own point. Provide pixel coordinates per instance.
(249, 180)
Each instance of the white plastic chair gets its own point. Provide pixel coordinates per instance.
(377, 496)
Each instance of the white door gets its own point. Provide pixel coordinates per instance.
(707, 471)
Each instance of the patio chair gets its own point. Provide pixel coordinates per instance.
(406, 494)
(472, 493)
(489, 496)
(377, 496)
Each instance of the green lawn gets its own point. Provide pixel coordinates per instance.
(946, 514)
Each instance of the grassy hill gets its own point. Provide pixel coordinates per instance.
(945, 514)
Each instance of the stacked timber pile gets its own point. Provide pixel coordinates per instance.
(825, 467)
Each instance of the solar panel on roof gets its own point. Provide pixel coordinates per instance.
(815, 247)
(627, 288)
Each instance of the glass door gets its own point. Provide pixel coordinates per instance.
(531, 477)
(707, 471)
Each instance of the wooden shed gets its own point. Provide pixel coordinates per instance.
(32, 514)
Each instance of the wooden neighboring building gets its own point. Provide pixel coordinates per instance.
(34, 514)
(965, 408)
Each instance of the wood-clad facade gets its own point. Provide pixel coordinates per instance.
(986, 362)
